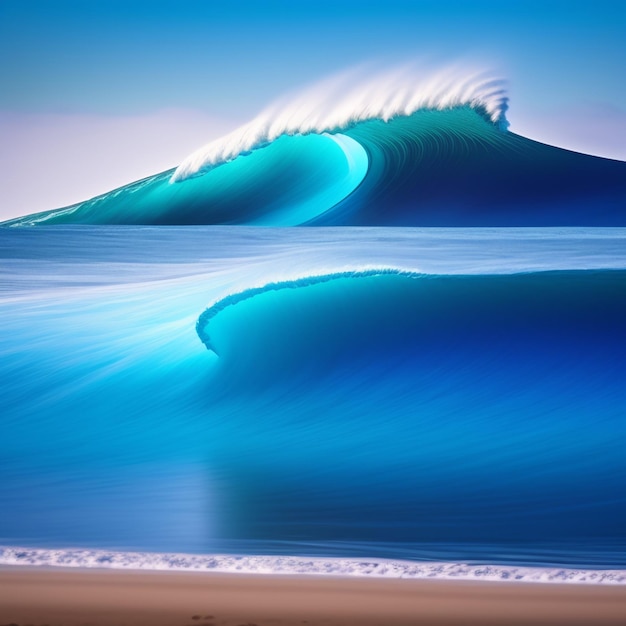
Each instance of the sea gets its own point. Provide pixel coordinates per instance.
(372, 332)
(406, 402)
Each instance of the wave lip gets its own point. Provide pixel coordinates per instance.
(303, 566)
(210, 312)
(345, 100)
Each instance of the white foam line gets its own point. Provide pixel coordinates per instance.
(304, 566)
(353, 97)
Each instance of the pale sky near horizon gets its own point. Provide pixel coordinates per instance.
(96, 95)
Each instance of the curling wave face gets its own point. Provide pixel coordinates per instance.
(394, 150)
(345, 101)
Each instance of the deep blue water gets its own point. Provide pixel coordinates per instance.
(439, 394)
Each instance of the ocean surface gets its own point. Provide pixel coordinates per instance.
(453, 396)
(427, 378)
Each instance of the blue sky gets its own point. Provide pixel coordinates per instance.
(96, 94)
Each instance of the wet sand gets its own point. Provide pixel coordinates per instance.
(64, 597)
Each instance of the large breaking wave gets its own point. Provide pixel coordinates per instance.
(340, 103)
(396, 149)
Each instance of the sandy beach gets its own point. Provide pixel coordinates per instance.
(60, 597)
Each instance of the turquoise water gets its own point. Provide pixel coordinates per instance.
(450, 167)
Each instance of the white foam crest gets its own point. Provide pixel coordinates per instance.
(309, 566)
(343, 100)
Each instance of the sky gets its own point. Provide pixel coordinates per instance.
(94, 95)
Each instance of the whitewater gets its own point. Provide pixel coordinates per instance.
(350, 98)
(303, 566)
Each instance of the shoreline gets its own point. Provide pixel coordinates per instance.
(306, 566)
(109, 597)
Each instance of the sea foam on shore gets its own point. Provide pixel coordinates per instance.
(294, 565)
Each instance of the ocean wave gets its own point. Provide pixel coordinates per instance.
(344, 101)
(305, 281)
(388, 153)
(464, 406)
(304, 566)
